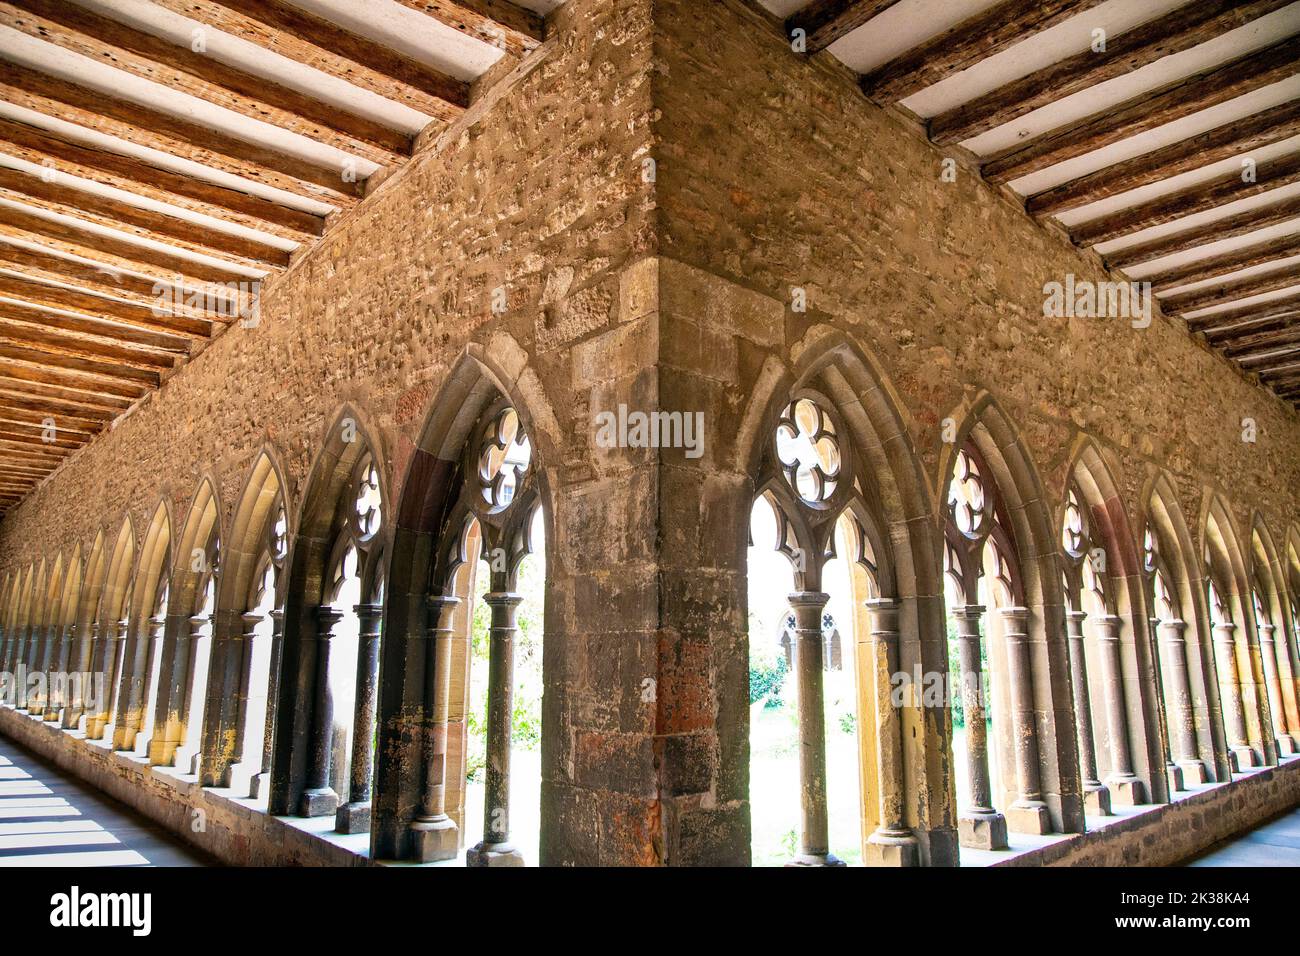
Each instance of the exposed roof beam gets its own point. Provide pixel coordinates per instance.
(36, 374)
(329, 48)
(154, 129)
(961, 47)
(57, 197)
(17, 435)
(33, 354)
(1186, 202)
(1273, 281)
(1228, 227)
(1227, 263)
(122, 314)
(28, 313)
(1147, 111)
(14, 415)
(60, 411)
(1266, 322)
(178, 67)
(20, 386)
(1222, 142)
(51, 339)
(500, 23)
(1222, 321)
(1263, 345)
(132, 175)
(1174, 32)
(825, 21)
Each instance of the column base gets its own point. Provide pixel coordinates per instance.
(319, 803)
(892, 848)
(983, 831)
(1286, 746)
(1194, 774)
(353, 818)
(259, 785)
(1174, 777)
(493, 854)
(435, 839)
(1243, 758)
(1127, 791)
(816, 859)
(1029, 816)
(1096, 801)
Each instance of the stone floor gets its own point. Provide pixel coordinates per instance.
(49, 818)
(1276, 843)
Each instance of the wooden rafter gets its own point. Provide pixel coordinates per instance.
(150, 318)
(325, 46)
(1231, 291)
(81, 31)
(825, 21)
(23, 313)
(1227, 263)
(1172, 33)
(1229, 227)
(33, 354)
(505, 25)
(1229, 319)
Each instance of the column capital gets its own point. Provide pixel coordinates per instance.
(503, 598)
(277, 615)
(1076, 616)
(327, 617)
(1173, 628)
(1014, 614)
(250, 620)
(883, 616)
(197, 621)
(969, 611)
(809, 598)
(367, 610)
(1266, 632)
(1226, 627)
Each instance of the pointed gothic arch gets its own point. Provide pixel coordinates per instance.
(107, 657)
(142, 654)
(1273, 632)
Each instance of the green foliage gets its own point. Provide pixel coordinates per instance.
(767, 673)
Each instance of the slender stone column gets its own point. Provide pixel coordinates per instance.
(496, 848)
(1029, 812)
(41, 663)
(1234, 715)
(100, 723)
(234, 765)
(1096, 796)
(354, 816)
(1182, 735)
(434, 834)
(1173, 772)
(814, 835)
(262, 778)
(1123, 782)
(59, 689)
(1286, 745)
(892, 843)
(187, 721)
(980, 826)
(319, 799)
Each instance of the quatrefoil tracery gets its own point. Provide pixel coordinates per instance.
(808, 449)
(966, 498)
(503, 459)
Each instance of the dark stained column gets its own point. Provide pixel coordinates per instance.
(1123, 782)
(1182, 733)
(1286, 745)
(434, 834)
(892, 843)
(1028, 814)
(354, 816)
(979, 825)
(1096, 798)
(319, 799)
(262, 779)
(1234, 715)
(496, 848)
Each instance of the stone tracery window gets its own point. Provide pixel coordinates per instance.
(809, 451)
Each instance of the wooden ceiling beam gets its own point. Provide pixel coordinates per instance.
(825, 21)
(57, 197)
(17, 386)
(177, 67)
(1147, 111)
(12, 413)
(325, 46)
(1125, 52)
(1229, 227)
(1223, 142)
(32, 368)
(121, 314)
(33, 438)
(1256, 312)
(127, 173)
(28, 314)
(1230, 187)
(154, 129)
(1244, 288)
(974, 39)
(34, 354)
(499, 23)
(46, 338)
(1227, 263)
(61, 412)
(1264, 348)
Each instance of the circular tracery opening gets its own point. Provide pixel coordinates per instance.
(809, 451)
(367, 504)
(503, 459)
(1073, 536)
(966, 496)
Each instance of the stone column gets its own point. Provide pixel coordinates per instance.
(58, 690)
(186, 749)
(105, 712)
(354, 816)
(1028, 814)
(1286, 745)
(1173, 772)
(814, 836)
(1096, 797)
(319, 799)
(979, 826)
(1123, 782)
(263, 776)
(1182, 735)
(1234, 715)
(19, 666)
(892, 843)
(434, 835)
(496, 849)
